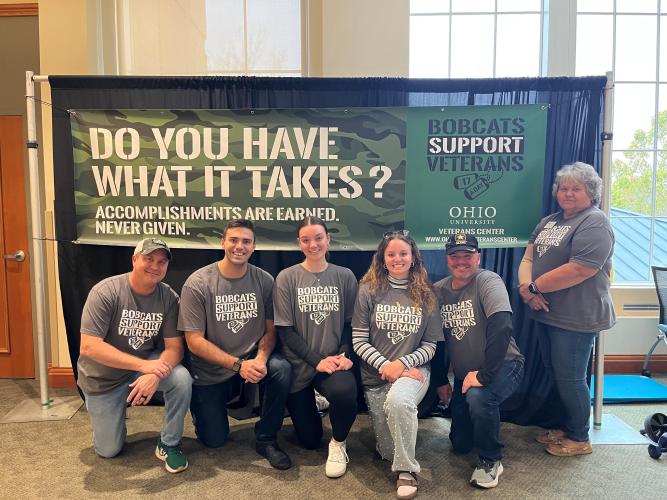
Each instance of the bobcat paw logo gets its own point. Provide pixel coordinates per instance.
(319, 317)
(459, 332)
(136, 342)
(236, 325)
(397, 337)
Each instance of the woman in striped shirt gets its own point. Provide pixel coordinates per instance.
(394, 331)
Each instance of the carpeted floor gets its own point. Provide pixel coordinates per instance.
(55, 460)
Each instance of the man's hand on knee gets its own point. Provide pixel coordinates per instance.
(143, 389)
(470, 381)
(253, 370)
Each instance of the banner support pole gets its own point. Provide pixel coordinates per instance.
(606, 179)
(47, 408)
(37, 240)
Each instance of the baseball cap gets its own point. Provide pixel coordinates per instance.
(149, 245)
(461, 242)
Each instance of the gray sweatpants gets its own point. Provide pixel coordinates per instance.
(393, 411)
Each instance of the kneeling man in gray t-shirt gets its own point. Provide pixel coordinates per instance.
(488, 367)
(130, 349)
(227, 316)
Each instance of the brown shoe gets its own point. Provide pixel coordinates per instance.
(562, 449)
(550, 436)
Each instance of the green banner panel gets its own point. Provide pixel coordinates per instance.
(478, 169)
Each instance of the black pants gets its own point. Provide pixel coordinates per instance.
(340, 389)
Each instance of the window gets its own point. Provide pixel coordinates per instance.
(627, 36)
(258, 37)
(209, 37)
(475, 38)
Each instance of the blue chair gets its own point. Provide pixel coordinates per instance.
(660, 280)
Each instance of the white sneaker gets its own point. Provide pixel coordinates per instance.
(337, 459)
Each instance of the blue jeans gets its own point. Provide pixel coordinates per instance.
(476, 414)
(107, 412)
(209, 405)
(565, 354)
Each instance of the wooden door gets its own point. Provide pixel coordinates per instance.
(16, 342)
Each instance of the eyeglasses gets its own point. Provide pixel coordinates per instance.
(393, 234)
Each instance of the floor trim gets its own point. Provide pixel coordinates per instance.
(19, 9)
(632, 363)
(61, 376)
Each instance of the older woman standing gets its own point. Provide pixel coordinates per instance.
(564, 279)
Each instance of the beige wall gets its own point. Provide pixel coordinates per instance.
(365, 38)
(17, 58)
(68, 34)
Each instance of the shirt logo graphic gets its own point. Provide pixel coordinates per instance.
(459, 332)
(458, 318)
(319, 317)
(399, 321)
(319, 301)
(136, 342)
(139, 326)
(236, 325)
(550, 236)
(236, 309)
(397, 337)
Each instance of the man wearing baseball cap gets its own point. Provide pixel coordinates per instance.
(130, 349)
(488, 367)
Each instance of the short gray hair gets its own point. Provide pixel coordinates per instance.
(583, 173)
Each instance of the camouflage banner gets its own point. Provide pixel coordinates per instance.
(182, 174)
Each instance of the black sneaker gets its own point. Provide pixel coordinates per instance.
(486, 473)
(276, 457)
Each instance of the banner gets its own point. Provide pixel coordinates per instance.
(182, 174)
(478, 169)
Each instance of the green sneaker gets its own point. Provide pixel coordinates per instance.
(172, 456)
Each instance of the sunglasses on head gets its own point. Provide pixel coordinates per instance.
(393, 234)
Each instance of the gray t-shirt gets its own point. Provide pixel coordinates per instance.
(464, 313)
(586, 239)
(230, 313)
(132, 323)
(316, 305)
(395, 328)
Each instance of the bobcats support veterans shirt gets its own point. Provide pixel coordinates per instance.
(132, 323)
(230, 313)
(317, 306)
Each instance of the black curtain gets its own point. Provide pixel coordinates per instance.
(573, 132)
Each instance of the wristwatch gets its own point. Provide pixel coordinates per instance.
(236, 367)
(532, 288)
